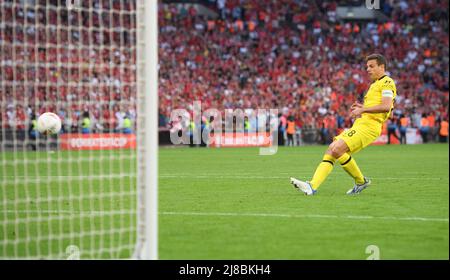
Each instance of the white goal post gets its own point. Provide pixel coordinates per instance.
(147, 52)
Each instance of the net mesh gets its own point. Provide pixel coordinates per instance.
(71, 195)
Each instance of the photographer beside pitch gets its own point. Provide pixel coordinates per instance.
(370, 116)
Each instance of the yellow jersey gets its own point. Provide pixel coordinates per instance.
(383, 87)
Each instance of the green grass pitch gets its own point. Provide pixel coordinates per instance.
(231, 204)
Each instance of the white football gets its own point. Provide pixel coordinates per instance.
(49, 123)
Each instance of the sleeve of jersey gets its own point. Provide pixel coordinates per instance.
(388, 89)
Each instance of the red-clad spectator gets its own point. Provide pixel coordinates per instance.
(256, 58)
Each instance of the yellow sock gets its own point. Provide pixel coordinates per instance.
(322, 171)
(350, 166)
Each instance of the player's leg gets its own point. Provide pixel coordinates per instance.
(326, 166)
(337, 151)
(322, 171)
(359, 137)
(348, 143)
(349, 165)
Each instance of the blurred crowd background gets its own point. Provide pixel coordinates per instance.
(296, 56)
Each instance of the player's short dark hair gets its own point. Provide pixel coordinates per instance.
(381, 60)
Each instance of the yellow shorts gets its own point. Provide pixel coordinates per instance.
(363, 132)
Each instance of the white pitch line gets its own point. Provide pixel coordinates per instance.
(281, 177)
(209, 176)
(69, 212)
(422, 219)
(46, 179)
(93, 176)
(224, 214)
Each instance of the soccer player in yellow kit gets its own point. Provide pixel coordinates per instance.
(370, 116)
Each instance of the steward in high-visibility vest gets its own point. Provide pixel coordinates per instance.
(432, 127)
(443, 131)
(86, 123)
(290, 127)
(424, 124)
(33, 132)
(404, 123)
(290, 131)
(424, 128)
(191, 127)
(127, 125)
(246, 125)
(191, 133)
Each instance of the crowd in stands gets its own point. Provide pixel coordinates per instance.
(68, 62)
(298, 57)
(291, 55)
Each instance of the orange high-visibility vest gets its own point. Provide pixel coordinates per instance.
(251, 25)
(240, 25)
(431, 121)
(290, 127)
(404, 122)
(444, 128)
(424, 122)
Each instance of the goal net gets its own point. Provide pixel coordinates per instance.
(88, 192)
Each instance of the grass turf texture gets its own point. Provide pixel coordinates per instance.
(233, 204)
